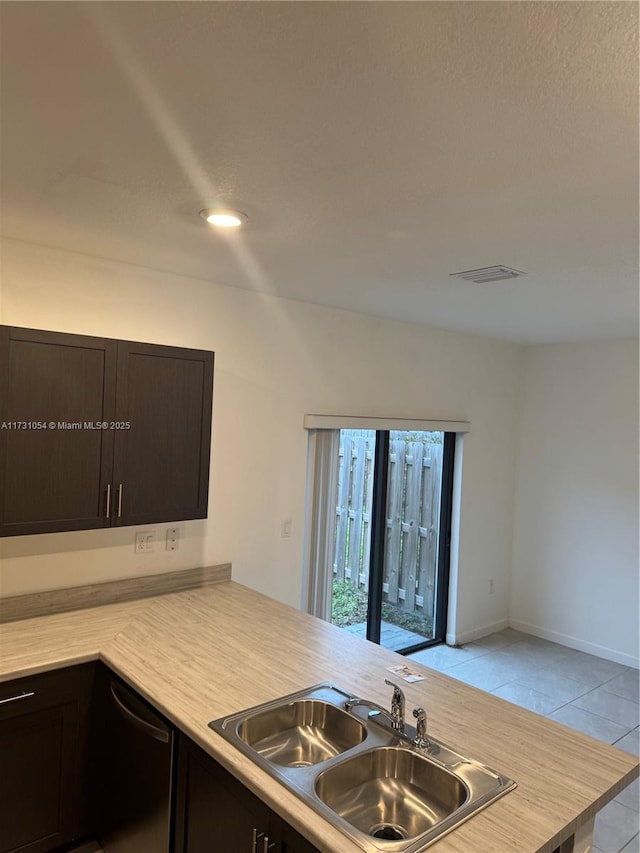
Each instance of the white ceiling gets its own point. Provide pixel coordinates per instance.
(375, 146)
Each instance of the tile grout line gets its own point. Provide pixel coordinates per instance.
(550, 669)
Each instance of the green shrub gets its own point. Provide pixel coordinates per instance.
(348, 605)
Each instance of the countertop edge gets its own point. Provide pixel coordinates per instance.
(126, 615)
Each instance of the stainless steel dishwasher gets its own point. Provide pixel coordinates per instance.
(136, 769)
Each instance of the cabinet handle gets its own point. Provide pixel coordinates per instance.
(120, 500)
(108, 512)
(266, 846)
(17, 698)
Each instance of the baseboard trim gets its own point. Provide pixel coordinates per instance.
(575, 643)
(476, 633)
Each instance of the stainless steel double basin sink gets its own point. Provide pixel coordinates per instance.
(366, 779)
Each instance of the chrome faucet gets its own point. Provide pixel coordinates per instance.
(395, 717)
(397, 706)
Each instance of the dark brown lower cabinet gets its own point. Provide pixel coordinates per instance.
(216, 814)
(290, 841)
(57, 785)
(44, 735)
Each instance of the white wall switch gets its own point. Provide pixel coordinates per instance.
(285, 529)
(173, 537)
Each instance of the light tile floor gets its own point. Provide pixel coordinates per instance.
(593, 695)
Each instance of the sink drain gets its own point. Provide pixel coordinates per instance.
(388, 832)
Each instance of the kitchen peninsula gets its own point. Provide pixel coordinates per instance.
(211, 651)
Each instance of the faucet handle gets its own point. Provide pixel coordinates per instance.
(398, 695)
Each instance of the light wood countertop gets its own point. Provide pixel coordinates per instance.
(206, 653)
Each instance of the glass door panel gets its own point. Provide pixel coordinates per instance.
(414, 487)
(391, 536)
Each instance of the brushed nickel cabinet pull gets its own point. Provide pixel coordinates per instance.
(108, 513)
(255, 837)
(17, 698)
(120, 500)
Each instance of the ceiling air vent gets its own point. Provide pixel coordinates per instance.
(488, 274)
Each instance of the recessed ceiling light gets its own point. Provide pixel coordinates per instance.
(223, 217)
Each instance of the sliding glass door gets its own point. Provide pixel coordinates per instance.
(392, 535)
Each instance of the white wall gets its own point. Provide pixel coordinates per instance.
(275, 360)
(575, 552)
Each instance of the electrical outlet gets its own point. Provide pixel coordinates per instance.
(173, 537)
(144, 542)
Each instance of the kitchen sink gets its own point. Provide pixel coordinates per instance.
(301, 733)
(392, 793)
(383, 791)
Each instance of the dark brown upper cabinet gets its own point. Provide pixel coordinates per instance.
(163, 435)
(99, 433)
(54, 478)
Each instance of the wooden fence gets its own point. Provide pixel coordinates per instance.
(413, 510)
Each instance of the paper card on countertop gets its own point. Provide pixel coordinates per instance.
(403, 671)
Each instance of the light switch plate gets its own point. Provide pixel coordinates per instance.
(285, 528)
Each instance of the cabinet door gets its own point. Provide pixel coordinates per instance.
(42, 748)
(163, 405)
(287, 838)
(214, 812)
(54, 477)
